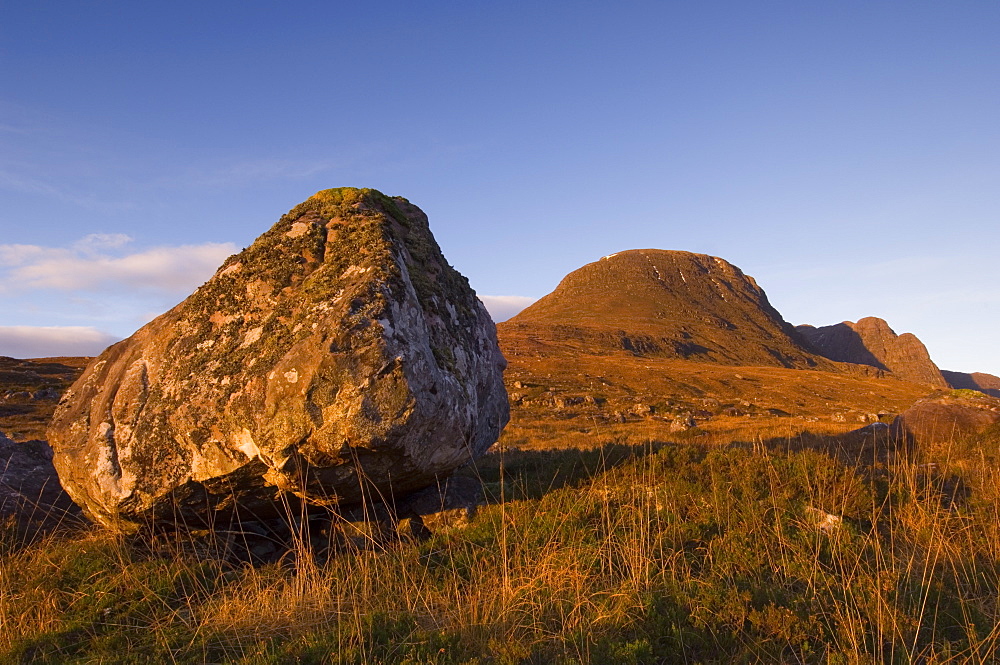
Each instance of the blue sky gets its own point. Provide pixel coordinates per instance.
(846, 154)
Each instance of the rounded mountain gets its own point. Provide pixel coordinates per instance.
(660, 303)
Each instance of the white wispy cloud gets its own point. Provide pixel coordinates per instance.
(15, 255)
(95, 242)
(502, 308)
(47, 341)
(99, 262)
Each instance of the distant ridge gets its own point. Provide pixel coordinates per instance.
(984, 383)
(871, 341)
(659, 303)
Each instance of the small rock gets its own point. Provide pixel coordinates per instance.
(413, 528)
(873, 428)
(945, 419)
(448, 520)
(642, 409)
(682, 423)
(564, 401)
(825, 522)
(263, 550)
(458, 493)
(45, 394)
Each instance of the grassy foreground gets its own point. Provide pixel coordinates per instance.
(675, 553)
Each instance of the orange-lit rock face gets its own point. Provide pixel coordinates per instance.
(871, 341)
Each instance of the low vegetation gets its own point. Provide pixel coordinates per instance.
(666, 553)
(29, 390)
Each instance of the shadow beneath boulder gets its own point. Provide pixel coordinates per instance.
(515, 474)
(32, 502)
(383, 522)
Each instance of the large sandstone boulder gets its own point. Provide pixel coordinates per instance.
(338, 359)
(948, 418)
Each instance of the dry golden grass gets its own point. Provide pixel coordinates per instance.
(589, 400)
(659, 554)
(796, 391)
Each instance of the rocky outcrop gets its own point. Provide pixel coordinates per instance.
(946, 419)
(988, 384)
(872, 342)
(338, 359)
(30, 492)
(657, 303)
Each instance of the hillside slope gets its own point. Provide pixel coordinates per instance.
(29, 391)
(644, 344)
(666, 304)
